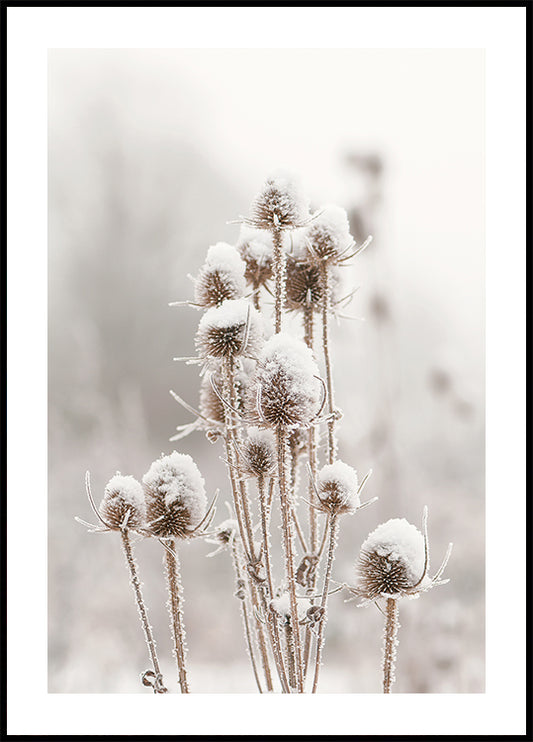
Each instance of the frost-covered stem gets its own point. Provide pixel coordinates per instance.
(333, 528)
(136, 584)
(280, 270)
(309, 324)
(326, 301)
(255, 297)
(311, 444)
(176, 612)
(275, 642)
(261, 639)
(289, 641)
(282, 444)
(390, 643)
(241, 586)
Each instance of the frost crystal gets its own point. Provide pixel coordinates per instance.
(284, 390)
(391, 560)
(123, 504)
(233, 328)
(337, 485)
(329, 234)
(175, 495)
(280, 204)
(221, 277)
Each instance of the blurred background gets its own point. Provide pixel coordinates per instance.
(151, 153)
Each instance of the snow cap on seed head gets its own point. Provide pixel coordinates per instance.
(223, 330)
(328, 235)
(338, 488)
(256, 250)
(391, 560)
(221, 277)
(175, 496)
(285, 390)
(280, 204)
(123, 504)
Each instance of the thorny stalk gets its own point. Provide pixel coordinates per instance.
(280, 274)
(176, 612)
(333, 528)
(326, 303)
(136, 584)
(390, 642)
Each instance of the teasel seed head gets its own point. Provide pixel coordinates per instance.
(175, 496)
(256, 249)
(123, 504)
(279, 205)
(338, 488)
(259, 453)
(391, 560)
(225, 532)
(328, 236)
(284, 390)
(232, 329)
(210, 404)
(221, 277)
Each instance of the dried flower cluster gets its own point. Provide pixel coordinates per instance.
(268, 399)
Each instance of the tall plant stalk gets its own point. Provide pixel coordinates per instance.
(326, 305)
(333, 530)
(390, 642)
(176, 612)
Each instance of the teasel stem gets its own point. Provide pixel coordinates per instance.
(176, 612)
(282, 445)
(326, 302)
(289, 641)
(333, 529)
(264, 504)
(390, 642)
(255, 296)
(280, 273)
(143, 614)
(241, 585)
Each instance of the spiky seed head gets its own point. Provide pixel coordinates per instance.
(259, 451)
(256, 249)
(337, 487)
(225, 532)
(123, 504)
(210, 404)
(391, 560)
(232, 329)
(221, 277)
(284, 390)
(279, 205)
(328, 235)
(175, 496)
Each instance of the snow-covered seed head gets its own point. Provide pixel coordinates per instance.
(225, 532)
(234, 328)
(284, 390)
(221, 277)
(391, 560)
(175, 496)
(256, 249)
(210, 404)
(279, 205)
(123, 504)
(329, 234)
(337, 488)
(304, 285)
(259, 453)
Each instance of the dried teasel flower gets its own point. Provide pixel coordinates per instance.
(285, 389)
(232, 329)
(123, 504)
(328, 236)
(221, 277)
(175, 496)
(279, 205)
(256, 249)
(259, 453)
(338, 490)
(211, 405)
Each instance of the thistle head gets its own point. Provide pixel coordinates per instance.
(279, 205)
(234, 328)
(338, 488)
(285, 389)
(175, 496)
(256, 250)
(123, 504)
(328, 236)
(259, 452)
(221, 277)
(392, 560)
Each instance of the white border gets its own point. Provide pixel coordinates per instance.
(501, 32)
